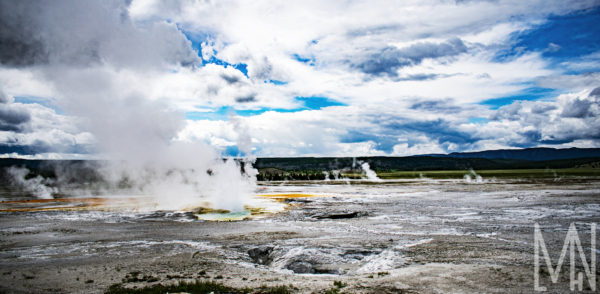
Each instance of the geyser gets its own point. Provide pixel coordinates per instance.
(145, 158)
(371, 175)
(106, 72)
(138, 138)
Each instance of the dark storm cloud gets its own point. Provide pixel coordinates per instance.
(595, 92)
(389, 59)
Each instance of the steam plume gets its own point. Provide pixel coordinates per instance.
(98, 73)
(38, 186)
(371, 175)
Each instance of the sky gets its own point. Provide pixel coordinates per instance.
(79, 79)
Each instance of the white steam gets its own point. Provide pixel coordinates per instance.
(38, 186)
(473, 177)
(138, 138)
(101, 66)
(336, 174)
(371, 175)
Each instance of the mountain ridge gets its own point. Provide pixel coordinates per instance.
(530, 154)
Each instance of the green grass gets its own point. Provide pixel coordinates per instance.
(336, 289)
(339, 284)
(196, 287)
(506, 173)
(333, 290)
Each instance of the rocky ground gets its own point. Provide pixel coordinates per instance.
(422, 236)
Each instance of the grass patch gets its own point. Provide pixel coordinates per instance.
(332, 291)
(196, 287)
(336, 289)
(276, 290)
(339, 284)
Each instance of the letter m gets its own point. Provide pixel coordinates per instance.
(571, 242)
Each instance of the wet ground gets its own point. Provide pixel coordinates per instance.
(418, 236)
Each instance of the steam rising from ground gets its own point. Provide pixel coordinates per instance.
(371, 175)
(38, 186)
(99, 66)
(473, 177)
(139, 138)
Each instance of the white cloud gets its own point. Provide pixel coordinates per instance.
(130, 70)
(571, 82)
(42, 131)
(430, 127)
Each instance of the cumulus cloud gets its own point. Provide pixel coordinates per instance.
(571, 117)
(421, 128)
(413, 76)
(577, 108)
(13, 118)
(32, 129)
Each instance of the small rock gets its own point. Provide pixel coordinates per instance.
(301, 267)
(341, 215)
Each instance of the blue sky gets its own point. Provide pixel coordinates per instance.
(563, 37)
(287, 79)
(225, 112)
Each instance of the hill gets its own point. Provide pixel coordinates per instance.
(78, 171)
(531, 154)
(413, 163)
